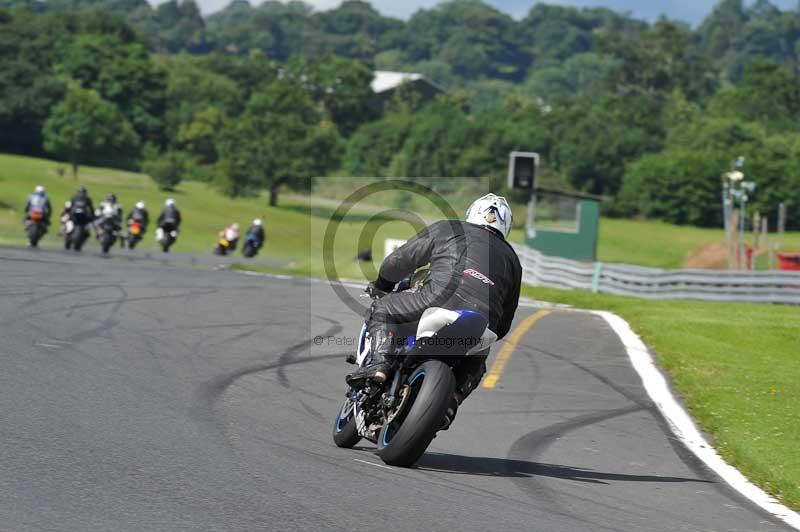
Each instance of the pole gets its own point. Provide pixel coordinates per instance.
(742, 203)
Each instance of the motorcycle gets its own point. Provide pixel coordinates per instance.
(250, 246)
(403, 415)
(166, 237)
(107, 231)
(35, 227)
(75, 230)
(224, 246)
(134, 234)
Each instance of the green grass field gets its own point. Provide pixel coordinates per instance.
(736, 366)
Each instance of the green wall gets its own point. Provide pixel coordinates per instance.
(577, 245)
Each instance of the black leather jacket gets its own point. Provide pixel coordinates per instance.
(472, 267)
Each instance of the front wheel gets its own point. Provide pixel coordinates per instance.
(108, 241)
(345, 432)
(403, 440)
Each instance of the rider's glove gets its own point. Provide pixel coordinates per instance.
(375, 292)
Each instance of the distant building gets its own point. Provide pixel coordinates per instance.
(385, 83)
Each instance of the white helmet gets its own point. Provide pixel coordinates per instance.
(235, 226)
(39, 189)
(257, 221)
(140, 205)
(492, 211)
(169, 203)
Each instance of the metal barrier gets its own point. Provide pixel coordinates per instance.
(654, 283)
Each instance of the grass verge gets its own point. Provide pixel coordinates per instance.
(737, 368)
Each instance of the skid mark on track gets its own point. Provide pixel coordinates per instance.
(598, 376)
(505, 353)
(210, 391)
(537, 441)
(289, 355)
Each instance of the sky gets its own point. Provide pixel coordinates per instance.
(692, 11)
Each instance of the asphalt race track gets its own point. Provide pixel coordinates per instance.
(149, 395)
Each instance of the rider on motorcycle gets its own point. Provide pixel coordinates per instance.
(472, 266)
(231, 234)
(81, 209)
(38, 205)
(169, 219)
(139, 214)
(64, 217)
(109, 211)
(257, 232)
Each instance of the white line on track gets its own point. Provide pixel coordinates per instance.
(372, 463)
(51, 346)
(682, 425)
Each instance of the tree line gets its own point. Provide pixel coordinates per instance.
(256, 97)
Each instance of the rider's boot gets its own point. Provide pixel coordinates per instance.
(382, 351)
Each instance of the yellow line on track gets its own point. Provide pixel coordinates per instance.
(508, 348)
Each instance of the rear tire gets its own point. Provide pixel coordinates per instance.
(345, 432)
(107, 243)
(34, 236)
(403, 441)
(78, 238)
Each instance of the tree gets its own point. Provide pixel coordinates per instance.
(28, 87)
(277, 141)
(168, 169)
(191, 90)
(657, 61)
(84, 128)
(370, 150)
(341, 85)
(768, 93)
(199, 136)
(595, 139)
(123, 73)
(679, 186)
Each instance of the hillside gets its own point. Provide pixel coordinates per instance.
(296, 227)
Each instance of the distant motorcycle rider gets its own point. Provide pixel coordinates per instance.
(81, 209)
(472, 266)
(109, 211)
(169, 219)
(256, 231)
(139, 214)
(38, 206)
(136, 225)
(231, 234)
(64, 217)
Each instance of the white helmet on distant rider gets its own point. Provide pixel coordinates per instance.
(235, 227)
(140, 205)
(169, 203)
(39, 190)
(257, 221)
(491, 211)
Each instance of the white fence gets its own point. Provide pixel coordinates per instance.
(653, 283)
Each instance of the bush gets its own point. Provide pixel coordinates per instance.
(169, 169)
(677, 186)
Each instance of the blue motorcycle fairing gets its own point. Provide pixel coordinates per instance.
(455, 339)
